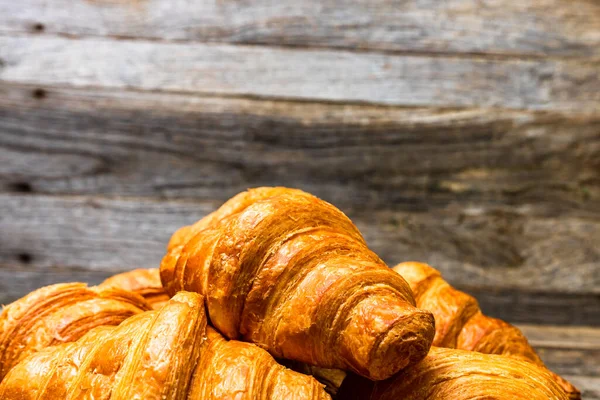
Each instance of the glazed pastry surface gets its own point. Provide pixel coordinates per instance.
(450, 374)
(291, 273)
(58, 314)
(161, 354)
(145, 282)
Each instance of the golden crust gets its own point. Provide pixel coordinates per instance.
(450, 374)
(460, 323)
(60, 313)
(291, 273)
(145, 282)
(239, 367)
(162, 354)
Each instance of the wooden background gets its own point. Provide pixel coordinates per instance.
(463, 133)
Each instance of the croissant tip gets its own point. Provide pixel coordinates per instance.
(407, 342)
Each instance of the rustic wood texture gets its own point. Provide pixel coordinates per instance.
(79, 141)
(536, 305)
(567, 350)
(325, 75)
(543, 27)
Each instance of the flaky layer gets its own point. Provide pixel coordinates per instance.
(161, 354)
(145, 282)
(460, 323)
(150, 355)
(239, 367)
(58, 314)
(449, 374)
(291, 273)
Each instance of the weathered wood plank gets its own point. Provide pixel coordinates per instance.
(78, 141)
(487, 251)
(553, 27)
(572, 352)
(566, 350)
(16, 281)
(535, 306)
(325, 75)
(576, 337)
(90, 233)
(493, 247)
(571, 361)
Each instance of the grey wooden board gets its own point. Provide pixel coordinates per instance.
(548, 336)
(535, 305)
(325, 75)
(18, 280)
(40, 233)
(573, 352)
(551, 27)
(569, 351)
(90, 141)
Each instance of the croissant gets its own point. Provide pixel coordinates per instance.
(60, 313)
(291, 273)
(161, 354)
(450, 374)
(460, 323)
(145, 282)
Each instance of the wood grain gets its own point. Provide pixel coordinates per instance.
(549, 336)
(324, 75)
(541, 27)
(492, 247)
(94, 234)
(18, 280)
(566, 350)
(535, 305)
(80, 141)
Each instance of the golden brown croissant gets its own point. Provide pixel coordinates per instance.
(145, 282)
(161, 354)
(450, 374)
(235, 367)
(460, 324)
(60, 313)
(291, 273)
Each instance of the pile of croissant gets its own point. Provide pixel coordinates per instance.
(273, 296)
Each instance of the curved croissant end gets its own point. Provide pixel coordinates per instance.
(145, 282)
(449, 374)
(160, 354)
(291, 273)
(60, 313)
(238, 367)
(460, 323)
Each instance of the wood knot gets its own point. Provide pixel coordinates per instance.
(38, 27)
(39, 93)
(20, 187)
(25, 258)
